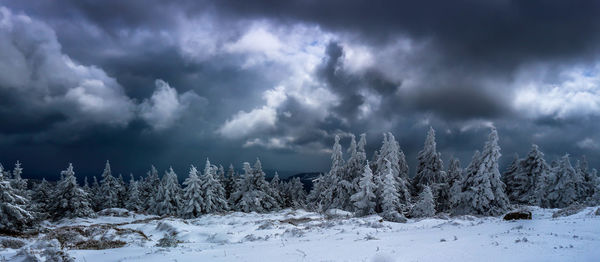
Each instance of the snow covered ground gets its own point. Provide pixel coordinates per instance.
(304, 236)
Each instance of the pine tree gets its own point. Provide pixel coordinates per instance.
(364, 199)
(134, 203)
(425, 206)
(221, 175)
(294, 194)
(455, 177)
(589, 179)
(212, 191)
(430, 169)
(509, 175)
(149, 189)
(168, 198)
(522, 187)
(564, 185)
(121, 191)
(18, 183)
(482, 189)
(42, 194)
(252, 193)
(69, 200)
(339, 189)
(230, 182)
(389, 162)
(96, 196)
(192, 195)
(356, 163)
(317, 195)
(390, 199)
(109, 189)
(276, 189)
(14, 216)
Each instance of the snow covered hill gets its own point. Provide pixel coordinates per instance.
(297, 235)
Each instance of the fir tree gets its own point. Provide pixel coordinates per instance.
(252, 193)
(69, 200)
(212, 191)
(482, 189)
(339, 188)
(317, 195)
(356, 163)
(109, 189)
(455, 177)
(149, 189)
(96, 196)
(522, 186)
(276, 189)
(364, 199)
(430, 170)
(14, 216)
(121, 191)
(425, 206)
(41, 197)
(18, 183)
(294, 194)
(390, 199)
(230, 182)
(192, 195)
(168, 197)
(564, 185)
(134, 203)
(388, 162)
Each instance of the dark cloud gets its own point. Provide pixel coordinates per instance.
(452, 65)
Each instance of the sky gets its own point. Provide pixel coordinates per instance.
(148, 82)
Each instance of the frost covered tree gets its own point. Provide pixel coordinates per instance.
(121, 191)
(18, 183)
(293, 193)
(149, 188)
(430, 168)
(389, 162)
(69, 200)
(356, 163)
(96, 197)
(14, 216)
(109, 189)
(212, 191)
(511, 171)
(134, 203)
(390, 199)
(339, 188)
(364, 198)
(455, 177)
(425, 206)
(221, 175)
(42, 194)
(276, 189)
(521, 185)
(482, 191)
(564, 186)
(192, 195)
(230, 181)
(589, 179)
(253, 191)
(168, 197)
(317, 196)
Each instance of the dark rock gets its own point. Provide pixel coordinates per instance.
(518, 215)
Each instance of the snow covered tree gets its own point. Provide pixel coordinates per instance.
(252, 193)
(482, 190)
(364, 198)
(511, 171)
(390, 199)
(276, 189)
(589, 179)
(521, 185)
(192, 195)
(42, 194)
(339, 188)
(425, 206)
(389, 162)
(168, 197)
(212, 191)
(230, 182)
(293, 194)
(430, 169)
(356, 163)
(18, 183)
(564, 186)
(134, 203)
(455, 177)
(14, 216)
(109, 189)
(121, 191)
(69, 200)
(149, 189)
(317, 196)
(96, 197)
(221, 175)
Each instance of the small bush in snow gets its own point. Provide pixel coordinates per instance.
(168, 240)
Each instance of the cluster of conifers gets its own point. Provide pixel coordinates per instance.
(380, 186)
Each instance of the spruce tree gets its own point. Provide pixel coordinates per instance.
(14, 216)
(522, 186)
(482, 190)
(168, 198)
(564, 185)
(192, 195)
(425, 206)
(69, 200)
(149, 189)
(121, 191)
(133, 202)
(294, 194)
(389, 162)
(212, 191)
(390, 199)
(109, 189)
(356, 163)
(430, 169)
(317, 195)
(339, 188)
(364, 198)
(41, 197)
(276, 189)
(252, 193)
(230, 182)
(18, 183)
(96, 196)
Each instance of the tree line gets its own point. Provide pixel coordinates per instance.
(380, 186)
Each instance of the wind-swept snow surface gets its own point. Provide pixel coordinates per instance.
(298, 235)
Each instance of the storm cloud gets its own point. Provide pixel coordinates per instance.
(147, 82)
